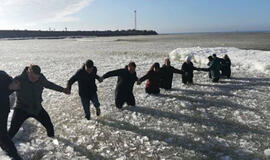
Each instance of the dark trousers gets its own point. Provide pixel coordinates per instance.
(86, 103)
(150, 90)
(187, 79)
(5, 141)
(19, 116)
(216, 79)
(121, 99)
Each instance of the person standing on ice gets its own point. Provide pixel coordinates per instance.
(226, 66)
(167, 72)
(153, 79)
(29, 99)
(210, 58)
(125, 83)
(188, 68)
(214, 69)
(6, 88)
(86, 77)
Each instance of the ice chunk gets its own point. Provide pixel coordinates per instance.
(55, 142)
(267, 152)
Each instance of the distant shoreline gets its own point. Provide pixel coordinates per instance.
(32, 34)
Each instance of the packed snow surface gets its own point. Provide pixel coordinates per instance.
(226, 120)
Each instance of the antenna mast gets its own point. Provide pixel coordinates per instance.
(135, 19)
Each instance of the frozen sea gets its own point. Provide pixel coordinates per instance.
(224, 121)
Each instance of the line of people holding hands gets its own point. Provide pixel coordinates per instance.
(30, 84)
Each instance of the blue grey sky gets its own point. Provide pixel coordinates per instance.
(164, 16)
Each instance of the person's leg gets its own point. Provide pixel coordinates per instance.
(19, 116)
(215, 80)
(131, 100)
(119, 102)
(156, 91)
(190, 80)
(86, 107)
(96, 103)
(148, 90)
(44, 118)
(5, 141)
(184, 80)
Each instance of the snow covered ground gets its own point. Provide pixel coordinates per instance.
(227, 120)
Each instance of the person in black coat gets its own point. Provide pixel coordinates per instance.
(167, 72)
(226, 66)
(86, 77)
(124, 88)
(210, 59)
(6, 88)
(188, 68)
(153, 79)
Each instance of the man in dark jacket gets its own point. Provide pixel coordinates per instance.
(29, 99)
(6, 88)
(86, 77)
(167, 72)
(124, 88)
(188, 68)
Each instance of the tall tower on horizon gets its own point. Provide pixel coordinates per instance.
(135, 19)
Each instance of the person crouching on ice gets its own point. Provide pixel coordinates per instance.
(167, 72)
(125, 83)
(29, 99)
(86, 77)
(153, 79)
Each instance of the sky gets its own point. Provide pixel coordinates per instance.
(163, 16)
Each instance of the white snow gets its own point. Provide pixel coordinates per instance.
(250, 60)
(226, 120)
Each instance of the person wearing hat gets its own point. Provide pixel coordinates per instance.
(29, 99)
(7, 86)
(86, 77)
(226, 66)
(124, 89)
(167, 72)
(188, 68)
(153, 79)
(214, 68)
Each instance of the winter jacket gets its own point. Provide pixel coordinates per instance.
(214, 68)
(5, 80)
(125, 81)
(226, 67)
(188, 69)
(167, 76)
(86, 82)
(29, 96)
(153, 80)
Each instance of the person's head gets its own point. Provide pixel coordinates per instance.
(131, 67)
(188, 59)
(88, 66)
(226, 57)
(210, 58)
(156, 67)
(167, 62)
(214, 56)
(34, 72)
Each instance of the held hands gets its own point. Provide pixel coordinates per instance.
(100, 79)
(67, 91)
